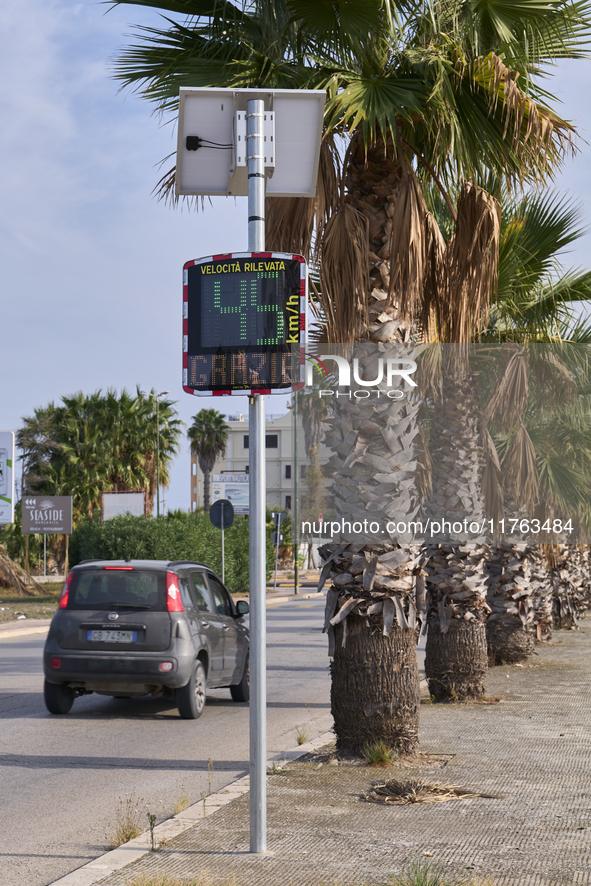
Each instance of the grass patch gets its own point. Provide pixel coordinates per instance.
(39, 606)
(423, 872)
(301, 735)
(128, 821)
(180, 804)
(378, 753)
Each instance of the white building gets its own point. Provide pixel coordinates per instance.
(279, 434)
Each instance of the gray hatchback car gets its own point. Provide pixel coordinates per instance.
(133, 627)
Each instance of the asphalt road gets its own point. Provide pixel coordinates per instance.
(62, 779)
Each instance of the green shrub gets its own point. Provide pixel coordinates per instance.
(179, 536)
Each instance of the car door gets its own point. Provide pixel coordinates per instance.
(212, 627)
(232, 646)
(189, 602)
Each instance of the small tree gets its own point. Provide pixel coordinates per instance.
(208, 435)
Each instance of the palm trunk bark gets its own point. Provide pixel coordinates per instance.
(375, 686)
(511, 627)
(456, 653)
(456, 660)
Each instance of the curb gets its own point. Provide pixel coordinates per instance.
(105, 865)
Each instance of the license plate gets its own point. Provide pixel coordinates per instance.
(111, 636)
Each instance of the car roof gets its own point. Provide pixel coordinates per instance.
(139, 564)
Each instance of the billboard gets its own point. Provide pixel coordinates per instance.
(6, 476)
(233, 487)
(116, 504)
(47, 514)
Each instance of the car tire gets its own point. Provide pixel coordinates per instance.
(190, 699)
(59, 698)
(241, 691)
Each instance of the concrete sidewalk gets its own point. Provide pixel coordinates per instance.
(532, 748)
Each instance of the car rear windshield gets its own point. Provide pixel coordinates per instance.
(117, 589)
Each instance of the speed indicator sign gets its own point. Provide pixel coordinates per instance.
(244, 323)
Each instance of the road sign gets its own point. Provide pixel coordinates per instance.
(278, 517)
(244, 326)
(47, 514)
(220, 512)
(277, 538)
(6, 477)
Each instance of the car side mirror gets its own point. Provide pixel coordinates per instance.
(242, 607)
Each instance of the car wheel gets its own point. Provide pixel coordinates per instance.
(241, 691)
(59, 698)
(190, 699)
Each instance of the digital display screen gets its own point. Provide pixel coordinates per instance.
(243, 323)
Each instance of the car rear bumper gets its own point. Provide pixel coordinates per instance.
(113, 668)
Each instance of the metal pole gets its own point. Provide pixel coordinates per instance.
(276, 558)
(223, 558)
(158, 456)
(257, 486)
(44, 554)
(295, 528)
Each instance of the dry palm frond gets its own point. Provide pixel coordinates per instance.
(344, 274)
(511, 391)
(492, 480)
(522, 470)
(472, 260)
(537, 132)
(289, 225)
(15, 576)
(408, 245)
(398, 793)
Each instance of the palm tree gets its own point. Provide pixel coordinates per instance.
(208, 435)
(90, 444)
(416, 93)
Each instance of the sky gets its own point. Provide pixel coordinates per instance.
(90, 262)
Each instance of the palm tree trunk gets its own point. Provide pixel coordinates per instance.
(456, 653)
(373, 631)
(375, 686)
(206, 491)
(375, 683)
(456, 660)
(511, 627)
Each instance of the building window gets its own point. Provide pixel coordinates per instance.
(271, 441)
(303, 471)
(288, 502)
(288, 472)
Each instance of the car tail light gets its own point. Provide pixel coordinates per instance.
(56, 662)
(66, 590)
(166, 666)
(121, 568)
(173, 593)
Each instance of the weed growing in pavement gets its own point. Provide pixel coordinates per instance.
(423, 872)
(130, 812)
(180, 804)
(152, 820)
(301, 735)
(378, 753)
